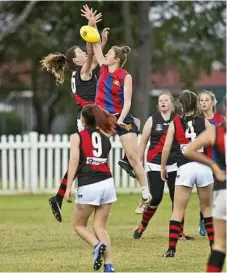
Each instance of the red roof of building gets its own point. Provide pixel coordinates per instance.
(171, 79)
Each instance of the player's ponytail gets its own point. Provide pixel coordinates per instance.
(95, 116)
(188, 101)
(55, 63)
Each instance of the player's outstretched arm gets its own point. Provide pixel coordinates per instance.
(93, 19)
(207, 138)
(145, 137)
(99, 54)
(127, 99)
(105, 35)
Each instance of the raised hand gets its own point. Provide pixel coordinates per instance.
(105, 34)
(90, 15)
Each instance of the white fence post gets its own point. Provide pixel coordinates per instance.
(33, 161)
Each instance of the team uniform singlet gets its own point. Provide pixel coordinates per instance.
(186, 130)
(157, 140)
(94, 150)
(84, 92)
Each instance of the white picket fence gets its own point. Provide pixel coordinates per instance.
(35, 163)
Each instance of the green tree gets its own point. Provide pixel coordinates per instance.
(52, 26)
(186, 35)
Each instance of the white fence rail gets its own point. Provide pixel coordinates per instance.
(35, 163)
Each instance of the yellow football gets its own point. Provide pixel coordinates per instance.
(89, 34)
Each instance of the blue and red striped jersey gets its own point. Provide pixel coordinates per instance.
(110, 89)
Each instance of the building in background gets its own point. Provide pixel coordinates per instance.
(170, 81)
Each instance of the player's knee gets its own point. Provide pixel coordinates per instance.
(156, 200)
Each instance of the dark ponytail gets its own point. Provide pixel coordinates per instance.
(188, 100)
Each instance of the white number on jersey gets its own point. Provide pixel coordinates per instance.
(97, 144)
(73, 82)
(190, 134)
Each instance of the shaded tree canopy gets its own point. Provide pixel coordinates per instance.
(187, 35)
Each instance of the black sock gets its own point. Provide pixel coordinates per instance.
(215, 261)
(201, 216)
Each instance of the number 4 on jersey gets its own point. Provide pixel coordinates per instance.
(190, 132)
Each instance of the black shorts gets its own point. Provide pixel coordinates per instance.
(130, 121)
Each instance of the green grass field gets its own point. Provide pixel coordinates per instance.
(32, 240)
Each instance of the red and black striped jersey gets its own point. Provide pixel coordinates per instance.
(219, 147)
(157, 139)
(84, 92)
(186, 130)
(94, 151)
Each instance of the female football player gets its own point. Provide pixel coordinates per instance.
(96, 192)
(215, 137)
(181, 131)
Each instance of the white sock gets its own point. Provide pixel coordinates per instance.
(145, 192)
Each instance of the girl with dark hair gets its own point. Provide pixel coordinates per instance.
(114, 94)
(96, 191)
(207, 108)
(181, 131)
(215, 137)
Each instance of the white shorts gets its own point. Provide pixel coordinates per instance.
(97, 194)
(80, 125)
(193, 173)
(219, 204)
